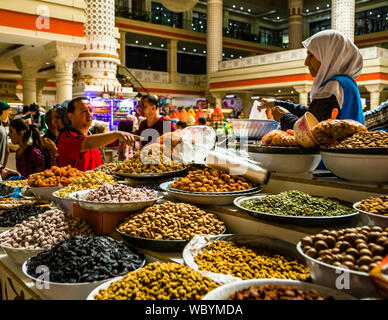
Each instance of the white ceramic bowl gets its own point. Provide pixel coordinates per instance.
(253, 129)
(287, 163)
(225, 291)
(66, 204)
(302, 129)
(355, 283)
(45, 193)
(110, 206)
(63, 291)
(370, 168)
(371, 219)
(103, 286)
(19, 255)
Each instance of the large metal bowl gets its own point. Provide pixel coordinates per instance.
(354, 283)
(302, 221)
(371, 219)
(204, 198)
(66, 204)
(110, 206)
(45, 193)
(225, 291)
(253, 129)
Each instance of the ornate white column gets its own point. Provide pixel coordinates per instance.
(375, 91)
(40, 83)
(219, 97)
(214, 35)
(295, 24)
(29, 66)
(172, 60)
(342, 16)
(64, 54)
(97, 63)
(122, 50)
(303, 91)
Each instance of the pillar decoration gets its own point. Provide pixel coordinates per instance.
(29, 67)
(247, 103)
(214, 36)
(172, 60)
(375, 92)
(97, 63)
(188, 20)
(219, 97)
(225, 19)
(122, 50)
(295, 24)
(303, 91)
(342, 16)
(40, 83)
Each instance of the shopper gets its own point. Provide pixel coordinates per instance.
(125, 151)
(334, 61)
(29, 157)
(52, 128)
(181, 125)
(201, 121)
(37, 117)
(4, 148)
(154, 125)
(60, 117)
(24, 113)
(76, 147)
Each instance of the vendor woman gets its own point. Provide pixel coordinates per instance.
(334, 61)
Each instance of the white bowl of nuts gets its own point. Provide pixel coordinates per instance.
(115, 198)
(374, 211)
(66, 204)
(18, 255)
(355, 165)
(45, 193)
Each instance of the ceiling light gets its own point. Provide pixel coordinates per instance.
(47, 62)
(249, 10)
(183, 49)
(328, 5)
(223, 54)
(137, 41)
(157, 18)
(279, 90)
(241, 8)
(194, 50)
(240, 57)
(292, 92)
(204, 51)
(150, 43)
(231, 55)
(168, 20)
(162, 45)
(317, 8)
(278, 18)
(230, 96)
(234, 6)
(307, 10)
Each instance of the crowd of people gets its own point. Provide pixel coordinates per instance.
(67, 135)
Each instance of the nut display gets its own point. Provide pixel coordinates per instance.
(54, 177)
(152, 162)
(86, 259)
(330, 131)
(45, 230)
(370, 139)
(5, 190)
(16, 183)
(359, 249)
(90, 180)
(172, 221)
(279, 138)
(211, 180)
(275, 292)
(8, 203)
(119, 193)
(376, 205)
(240, 261)
(159, 281)
(297, 203)
(11, 217)
(107, 168)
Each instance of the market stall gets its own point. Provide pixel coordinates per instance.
(169, 219)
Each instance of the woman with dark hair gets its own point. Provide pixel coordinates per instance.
(29, 157)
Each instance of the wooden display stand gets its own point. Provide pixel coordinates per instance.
(101, 222)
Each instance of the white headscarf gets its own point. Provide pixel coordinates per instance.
(338, 56)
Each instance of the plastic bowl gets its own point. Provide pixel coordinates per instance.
(66, 204)
(225, 291)
(253, 129)
(45, 193)
(354, 283)
(372, 219)
(370, 168)
(302, 127)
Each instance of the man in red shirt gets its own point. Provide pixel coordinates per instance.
(154, 125)
(76, 147)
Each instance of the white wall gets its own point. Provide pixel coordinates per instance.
(186, 101)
